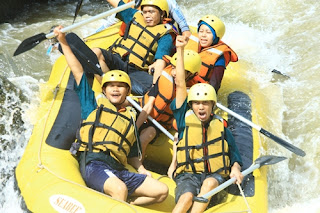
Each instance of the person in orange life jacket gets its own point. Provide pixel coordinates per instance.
(141, 49)
(157, 101)
(215, 54)
(103, 165)
(205, 153)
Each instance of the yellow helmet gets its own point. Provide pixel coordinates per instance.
(202, 92)
(161, 4)
(215, 23)
(116, 76)
(192, 61)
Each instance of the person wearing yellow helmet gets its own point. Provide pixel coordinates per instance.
(156, 102)
(142, 47)
(198, 165)
(107, 138)
(215, 54)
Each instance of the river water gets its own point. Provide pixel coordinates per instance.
(270, 34)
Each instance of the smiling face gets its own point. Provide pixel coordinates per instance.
(202, 109)
(116, 92)
(205, 36)
(151, 15)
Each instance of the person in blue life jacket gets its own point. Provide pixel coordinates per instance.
(215, 54)
(141, 49)
(107, 138)
(206, 153)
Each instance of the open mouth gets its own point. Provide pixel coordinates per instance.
(115, 95)
(202, 115)
(203, 40)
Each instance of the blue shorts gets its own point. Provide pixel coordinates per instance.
(97, 172)
(189, 182)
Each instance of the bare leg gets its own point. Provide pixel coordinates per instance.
(150, 191)
(116, 188)
(146, 137)
(184, 203)
(208, 184)
(101, 59)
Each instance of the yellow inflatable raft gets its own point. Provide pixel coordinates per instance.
(48, 175)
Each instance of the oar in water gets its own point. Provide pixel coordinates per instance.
(280, 73)
(33, 41)
(76, 12)
(275, 138)
(264, 160)
(155, 122)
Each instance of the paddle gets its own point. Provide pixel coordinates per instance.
(33, 41)
(280, 73)
(77, 10)
(280, 141)
(156, 123)
(264, 160)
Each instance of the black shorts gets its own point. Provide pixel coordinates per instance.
(189, 182)
(141, 81)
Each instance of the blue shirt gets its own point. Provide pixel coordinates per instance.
(86, 95)
(165, 43)
(220, 62)
(179, 115)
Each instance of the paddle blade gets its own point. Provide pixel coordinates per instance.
(269, 160)
(283, 143)
(30, 43)
(77, 10)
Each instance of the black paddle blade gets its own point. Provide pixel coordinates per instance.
(280, 73)
(77, 10)
(283, 143)
(30, 43)
(84, 54)
(269, 160)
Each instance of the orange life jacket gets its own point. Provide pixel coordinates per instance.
(210, 55)
(161, 111)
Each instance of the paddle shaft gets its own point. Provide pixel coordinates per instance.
(280, 141)
(94, 18)
(138, 107)
(259, 162)
(230, 181)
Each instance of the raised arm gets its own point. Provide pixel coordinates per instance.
(181, 88)
(73, 63)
